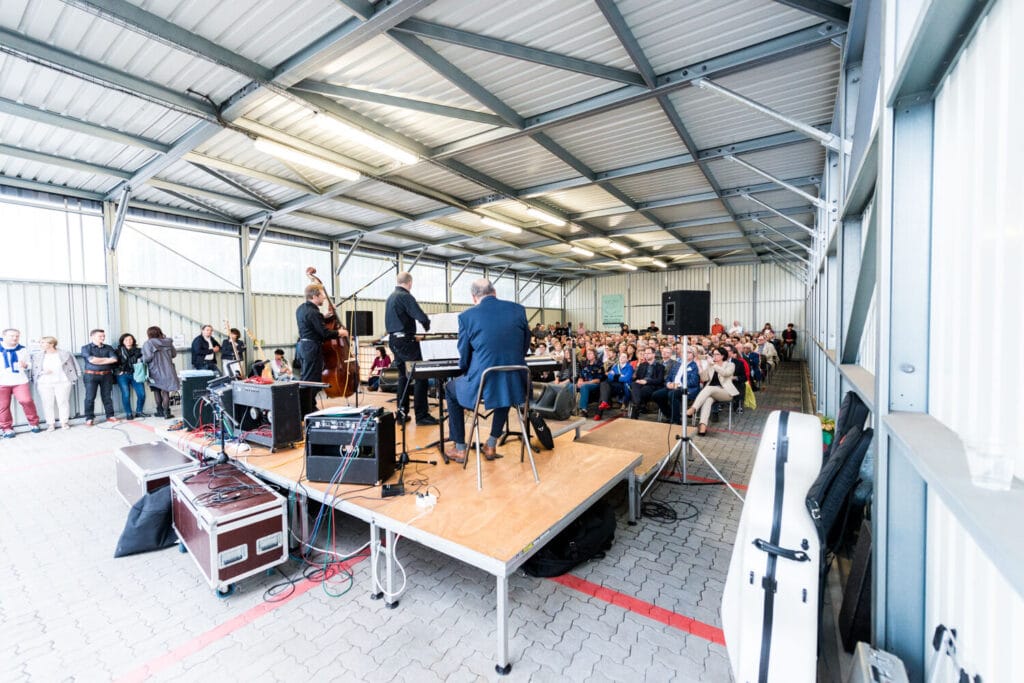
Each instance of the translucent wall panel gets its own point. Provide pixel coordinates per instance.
(50, 244)
(281, 268)
(160, 256)
(361, 269)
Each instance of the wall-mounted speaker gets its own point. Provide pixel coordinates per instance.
(686, 311)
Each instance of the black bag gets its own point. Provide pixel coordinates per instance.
(828, 495)
(541, 431)
(852, 415)
(149, 525)
(586, 538)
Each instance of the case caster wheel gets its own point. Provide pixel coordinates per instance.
(181, 547)
(226, 592)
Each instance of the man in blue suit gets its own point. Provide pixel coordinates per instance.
(493, 332)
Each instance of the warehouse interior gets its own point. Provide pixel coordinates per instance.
(843, 166)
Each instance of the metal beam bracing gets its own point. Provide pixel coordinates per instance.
(198, 265)
(50, 118)
(213, 162)
(798, 243)
(259, 240)
(820, 203)
(461, 271)
(820, 8)
(207, 194)
(629, 42)
(231, 182)
(204, 205)
(786, 249)
(122, 211)
(759, 53)
(830, 140)
(499, 275)
(344, 92)
(62, 162)
(533, 277)
(565, 295)
(451, 73)
(782, 215)
(677, 123)
(711, 220)
(348, 254)
(416, 260)
(426, 29)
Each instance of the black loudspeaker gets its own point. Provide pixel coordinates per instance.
(686, 311)
(193, 387)
(267, 414)
(329, 436)
(359, 323)
(855, 613)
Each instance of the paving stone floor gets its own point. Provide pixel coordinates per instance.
(69, 611)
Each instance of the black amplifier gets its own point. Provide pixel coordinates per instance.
(267, 414)
(357, 448)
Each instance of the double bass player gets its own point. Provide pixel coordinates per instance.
(313, 333)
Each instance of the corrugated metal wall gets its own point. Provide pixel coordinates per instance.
(179, 311)
(966, 593)
(752, 294)
(977, 236)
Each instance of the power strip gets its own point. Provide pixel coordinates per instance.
(426, 500)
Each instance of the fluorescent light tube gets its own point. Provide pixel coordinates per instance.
(544, 216)
(581, 251)
(303, 159)
(365, 139)
(660, 264)
(487, 220)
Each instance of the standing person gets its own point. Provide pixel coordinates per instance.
(648, 378)
(227, 353)
(279, 366)
(401, 312)
(383, 360)
(128, 354)
(55, 372)
(14, 380)
(158, 352)
(313, 333)
(100, 362)
(788, 341)
(493, 332)
(717, 327)
(204, 350)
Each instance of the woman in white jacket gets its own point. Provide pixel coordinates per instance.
(55, 371)
(718, 387)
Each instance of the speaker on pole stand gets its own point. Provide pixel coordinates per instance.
(675, 460)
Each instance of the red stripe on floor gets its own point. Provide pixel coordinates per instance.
(730, 431)
(644, 609)
(204, 640)
(603, 422)
(704, 480)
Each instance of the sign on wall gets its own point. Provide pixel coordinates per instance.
(613, 309)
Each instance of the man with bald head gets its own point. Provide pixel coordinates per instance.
(401, 312)
(493, 332)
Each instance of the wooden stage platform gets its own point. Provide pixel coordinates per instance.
(495, 529)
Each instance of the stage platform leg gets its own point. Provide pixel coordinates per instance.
(503, 666)
(375, 593)
(389, 555)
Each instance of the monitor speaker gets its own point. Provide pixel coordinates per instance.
(686, 311)
(193, 387)
(359, 323)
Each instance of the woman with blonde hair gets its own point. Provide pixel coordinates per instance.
(55, 372)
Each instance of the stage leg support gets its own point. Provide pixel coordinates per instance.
(390, 600)
(503, 667)
(634, 499)
(376, 593)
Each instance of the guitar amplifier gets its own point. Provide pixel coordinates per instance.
(267, 414)
(193, 388)
(356, 447)
(232, 524)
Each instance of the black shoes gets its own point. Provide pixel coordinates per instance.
(427, 420)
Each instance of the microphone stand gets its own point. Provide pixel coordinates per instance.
(398, 488)
(354, 332)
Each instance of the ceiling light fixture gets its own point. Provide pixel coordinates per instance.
(628, 266)
(621, 248)
(581, 251)
(660, 264)
(365, 139)
(303, 159)
(487, 220)
(544, 216)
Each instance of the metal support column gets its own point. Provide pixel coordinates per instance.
(113, 325)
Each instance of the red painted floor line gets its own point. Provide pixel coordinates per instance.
(155, 666)
(732, 431)
(644, 609)
(603, 422)
(704, 480)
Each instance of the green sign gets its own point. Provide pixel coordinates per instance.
(612, 309)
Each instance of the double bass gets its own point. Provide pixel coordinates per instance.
(341, 371)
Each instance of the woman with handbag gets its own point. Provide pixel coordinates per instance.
(129, 356)
(55, 372)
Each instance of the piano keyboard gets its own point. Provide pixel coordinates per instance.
(449, 367)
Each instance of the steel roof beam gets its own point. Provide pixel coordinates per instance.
(712, 220)
(213, 162)
(781, 183)
(629, 42)
(823, 9)
(50, 118)
(37, 52)
(426, 29)
(63, 162)
(784, 216)
(450, 72)
(766, 51)
(344, 92)
(194, 201)
(782, 234)
(231, 182)
(207, 194)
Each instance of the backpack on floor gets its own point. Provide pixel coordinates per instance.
(586, 538)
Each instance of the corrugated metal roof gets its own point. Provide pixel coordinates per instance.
(600, 134)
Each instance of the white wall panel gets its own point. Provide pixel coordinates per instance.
(977, 236)
(967, 593)
(731, 295)
(179, 311)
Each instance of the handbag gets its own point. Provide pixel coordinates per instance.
(540, 430)
(140, 372)
(749, 400)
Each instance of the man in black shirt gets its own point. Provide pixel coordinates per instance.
(100, 359)
(204, 348)
(400, 315)
(313, 333)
